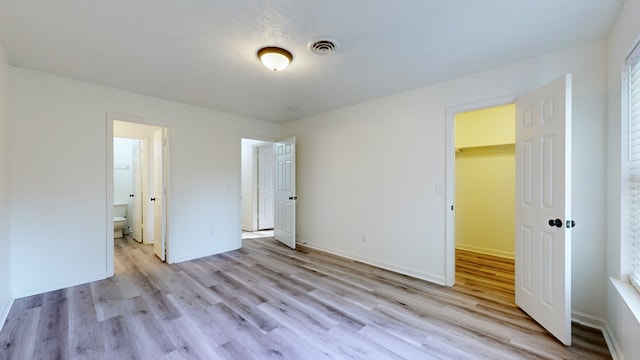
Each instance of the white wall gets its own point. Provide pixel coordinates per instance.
(5, 253)
(59, 173)
(372, 170)
(624, 326)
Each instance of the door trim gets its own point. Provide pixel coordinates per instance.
(109, 241)
(450, 158)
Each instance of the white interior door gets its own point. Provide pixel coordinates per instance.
(136, 208)
(266, 190)
(157, 197)
(543, 206)
(285, 215)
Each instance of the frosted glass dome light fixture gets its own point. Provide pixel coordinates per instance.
(275, 58)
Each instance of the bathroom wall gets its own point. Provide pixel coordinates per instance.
(123, 150)
(5, 248)
(61, 168)
(122, 169)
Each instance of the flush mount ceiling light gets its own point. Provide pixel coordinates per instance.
(275, 58)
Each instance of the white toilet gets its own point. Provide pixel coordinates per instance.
(119, 219)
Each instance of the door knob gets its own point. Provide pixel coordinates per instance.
(556, 222)
(153, 199)
(293, 198)
(571, 223)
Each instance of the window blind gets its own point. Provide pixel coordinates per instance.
(633, 100)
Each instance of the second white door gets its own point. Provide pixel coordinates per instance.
(266, 190)
(543, 206)
(285, 194)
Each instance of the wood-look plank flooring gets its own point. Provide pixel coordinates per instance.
(490, 277)
(266, 301)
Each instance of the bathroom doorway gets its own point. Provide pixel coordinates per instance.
(130, 174)
(138, 184)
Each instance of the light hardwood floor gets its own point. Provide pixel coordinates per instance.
(266, 301)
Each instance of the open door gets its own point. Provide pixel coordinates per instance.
(543, 206)
(266, 191)
(158, 194)
(285, 215)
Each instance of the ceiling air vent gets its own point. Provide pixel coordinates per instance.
(322, 47)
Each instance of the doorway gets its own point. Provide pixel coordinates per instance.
(485, 201)
(268, 182)
(138, 183)
(485, 180)
(257, 179)
(489, 143)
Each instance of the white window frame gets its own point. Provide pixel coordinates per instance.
(631, 167)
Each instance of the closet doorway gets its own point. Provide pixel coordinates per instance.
(485, 200)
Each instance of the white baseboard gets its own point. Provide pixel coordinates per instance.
(587, 320)
(43, 288)
(486, 251)
(612, 344)
(383, 265)
(5, 312)
(600, 324)
(247, 228)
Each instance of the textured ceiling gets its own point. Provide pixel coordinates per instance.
(203, 52)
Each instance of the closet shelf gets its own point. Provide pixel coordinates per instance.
(504, 147)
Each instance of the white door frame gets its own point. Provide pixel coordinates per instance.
(109, 243)
(450, 165)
